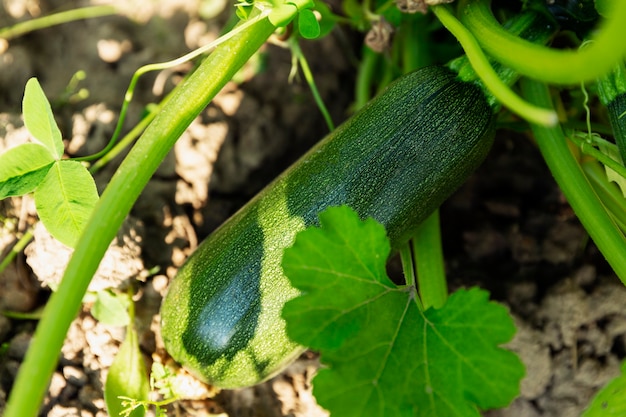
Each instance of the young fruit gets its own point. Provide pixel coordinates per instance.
(396, 160)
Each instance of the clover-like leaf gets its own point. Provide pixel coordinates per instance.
(23, 168)
(308, 26)
(111, 309)
(382, 355)
(65, 199)
(39, 119)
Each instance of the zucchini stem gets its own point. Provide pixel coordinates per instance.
(480, 63)
(575, 186)
(428, 255)
(556, 66)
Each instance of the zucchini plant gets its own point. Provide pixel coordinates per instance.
(239, 310)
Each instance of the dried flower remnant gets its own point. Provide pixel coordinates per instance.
(379, 36)
(418, 6)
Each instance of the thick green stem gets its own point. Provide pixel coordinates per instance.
(428, 255)
(574, 185)
(557, 66)
(489, 77)
(414, 38)
(606, 160)
(189, 99)
(365, 77)
(128, 138)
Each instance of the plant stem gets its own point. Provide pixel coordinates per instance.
(157, 67)
(557, 66)
(609, 193)
(308, 76)
(414, 38)
(128, 138)
(409, 270)
(489, 77)
(588, 149)
(365, 77)
(574, 185)
(17, 248)
(428, 255)
(22, 28)
(188, 100)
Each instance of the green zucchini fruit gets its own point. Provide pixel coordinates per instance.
(616, 110)
(612, 94)
(396, 160)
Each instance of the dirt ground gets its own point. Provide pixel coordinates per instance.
(508, 230)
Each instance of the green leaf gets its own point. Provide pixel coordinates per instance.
(308, 25)
(39, 119)
(610, 150)
(22, 169)
(328, 18)
(611, 400)
(283, 11)
(111, 309)
(604, 7)
(382, 355)
(127, 377)
(65, 200)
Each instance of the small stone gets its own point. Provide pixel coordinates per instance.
(5, 327)
(57, 384)
(63, 411)
(91, 398)
(18, 346)
(10, 369)
(75, 376)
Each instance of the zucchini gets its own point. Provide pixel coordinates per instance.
(396, 160)
(612, 94)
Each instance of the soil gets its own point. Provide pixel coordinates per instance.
(508, 229)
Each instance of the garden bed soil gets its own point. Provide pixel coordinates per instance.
(508, 229)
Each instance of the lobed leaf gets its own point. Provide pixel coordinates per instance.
(382, 355)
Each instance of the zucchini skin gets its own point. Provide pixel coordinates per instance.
(616, 109)
(396, 160)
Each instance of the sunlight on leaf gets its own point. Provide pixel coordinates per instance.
(327, 19)
(127, 377)
(308, 25)
(23, 168)
(381, 355)
(65, 200)
(39, 119)
(111, 309)
(611, 400)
